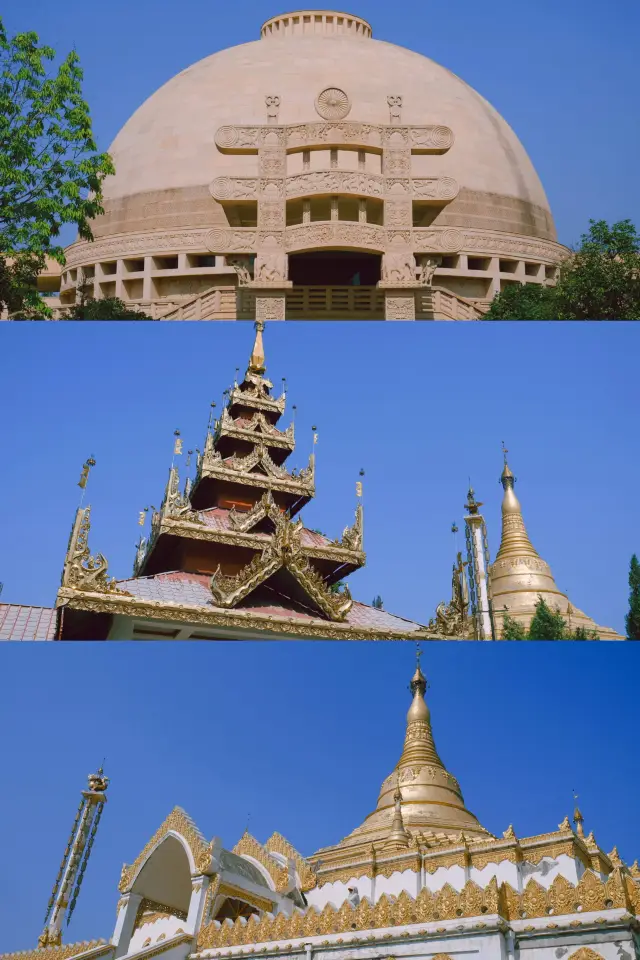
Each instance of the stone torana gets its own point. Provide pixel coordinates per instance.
(347, 178)
(419, 879)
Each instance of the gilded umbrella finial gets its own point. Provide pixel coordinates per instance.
(256, 362)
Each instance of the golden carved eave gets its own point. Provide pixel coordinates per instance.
(236, 620)
(279, 844)
(248, 846)
(287, 484)
(180, 824)
(251, 400)
(88, 948)
(263, 903)
(255, 541)
(277, 439)
(491, 903)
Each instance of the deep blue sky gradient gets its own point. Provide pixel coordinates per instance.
(564, 75)
(300, 736)
(421, 407)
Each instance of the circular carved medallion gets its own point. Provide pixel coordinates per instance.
(220, 189)
(447, 188)
(216, 240)
(333, 104)
(451, 241)
(226, 136)
(442, 137)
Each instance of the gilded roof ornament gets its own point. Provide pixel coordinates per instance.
(257, 359)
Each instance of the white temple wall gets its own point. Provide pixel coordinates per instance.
(164, 928)
(548, 869)
(393, 886)
(610, 946)
(125, 921)
(456, 876)
(337, 892)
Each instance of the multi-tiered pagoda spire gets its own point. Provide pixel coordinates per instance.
(229, 550)
(519, 576)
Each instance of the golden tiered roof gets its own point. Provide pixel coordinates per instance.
(229, 551)
(519, 576)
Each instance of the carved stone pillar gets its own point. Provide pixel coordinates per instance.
(399, 269)
(271, 269)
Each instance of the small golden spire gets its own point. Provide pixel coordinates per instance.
(419, 744)
(515, 539)
(256, 361)
(578, 819)
(398, 835)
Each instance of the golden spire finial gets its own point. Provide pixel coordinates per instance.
(256, 361)
(515, 539)
(578, 819)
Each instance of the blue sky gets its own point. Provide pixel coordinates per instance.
(421, 407)
(564, 75)
(299, 736)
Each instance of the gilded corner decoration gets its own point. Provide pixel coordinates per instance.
(179, 824)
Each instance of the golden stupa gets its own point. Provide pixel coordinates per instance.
(419, 794)
(519, 576)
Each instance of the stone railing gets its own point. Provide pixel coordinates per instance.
(217, 303)
(335, 303)
(449, 306)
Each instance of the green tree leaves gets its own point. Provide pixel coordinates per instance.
(50, 171)
(601, 281)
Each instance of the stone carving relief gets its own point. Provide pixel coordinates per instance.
(242, 266)
(447, 240)
(272, 103)
(239, 241)
(395, 108)
(427, 269)
(400, 308)
(334, 181)
(233, 188)
(441, 188)
(431, 138)
(307, 235)
(399, 267)
(270, 308)
(271, 267)
(272, 214)
(333, 104)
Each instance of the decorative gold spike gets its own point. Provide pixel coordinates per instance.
(257, 359)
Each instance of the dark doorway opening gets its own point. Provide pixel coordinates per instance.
(334, 268)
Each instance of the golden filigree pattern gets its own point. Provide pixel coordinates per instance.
(83, 571)
(177, 822)
(472, 901)
(278, 844)
(249, 846)
(149, 911)
(97, 948)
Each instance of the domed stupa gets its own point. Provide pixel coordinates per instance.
(316, 173)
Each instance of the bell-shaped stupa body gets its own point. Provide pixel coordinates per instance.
(519, 577)
(420, 796)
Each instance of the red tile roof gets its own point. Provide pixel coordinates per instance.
(18, 622)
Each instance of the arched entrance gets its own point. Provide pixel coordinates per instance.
(335, 268)
(335, 285)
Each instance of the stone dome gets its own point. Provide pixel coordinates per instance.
(180, 155)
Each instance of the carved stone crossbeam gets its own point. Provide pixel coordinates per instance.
(494, 900)
(435, 190)
(284, 551)
(344, 234)
(81, 570)
(418, 139)
(256, 428)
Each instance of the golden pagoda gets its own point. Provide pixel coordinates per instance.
(228, 556)
(421, 877)
(519, 577)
